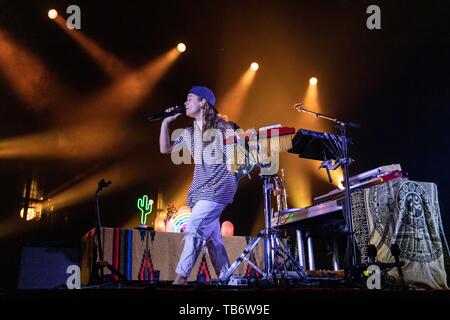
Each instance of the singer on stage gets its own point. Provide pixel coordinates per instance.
(213, 185)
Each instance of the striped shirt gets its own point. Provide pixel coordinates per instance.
(211, 181)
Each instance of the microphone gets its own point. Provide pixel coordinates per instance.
(372, 253)
(162, 115)
(103, 184)
(300, 107)
(395, 251)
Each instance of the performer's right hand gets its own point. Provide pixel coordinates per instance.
(171, 118)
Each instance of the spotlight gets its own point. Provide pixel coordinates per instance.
(52, 14)
(254, 66)
(181, 47)
(313, 81)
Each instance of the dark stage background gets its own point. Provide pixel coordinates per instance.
(394, 82)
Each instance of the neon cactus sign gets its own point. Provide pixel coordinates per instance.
(145, 205)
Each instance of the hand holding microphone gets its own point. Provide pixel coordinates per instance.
(169, 114)
(173, 111)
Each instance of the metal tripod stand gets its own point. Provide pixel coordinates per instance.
(274, 248)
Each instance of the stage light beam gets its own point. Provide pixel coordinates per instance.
(107, 61)
(123, 173)
(52, 14)
(181, 47)
(126, 92)
(29, 77)
(233, 101)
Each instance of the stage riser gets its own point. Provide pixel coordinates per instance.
(136, 254)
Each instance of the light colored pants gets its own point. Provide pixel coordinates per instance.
(203, 225)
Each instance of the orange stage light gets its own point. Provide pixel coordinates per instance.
(52, 14)
(181, 47)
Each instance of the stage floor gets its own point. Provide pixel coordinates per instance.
(165, 292)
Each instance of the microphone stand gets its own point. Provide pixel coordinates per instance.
(345, 161)
(395, 251)
(98, 272)
(300, 108)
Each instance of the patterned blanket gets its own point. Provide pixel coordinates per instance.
(407, 213)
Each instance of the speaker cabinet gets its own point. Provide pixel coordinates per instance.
(45, 266)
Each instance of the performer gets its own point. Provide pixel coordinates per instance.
(213, 185)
